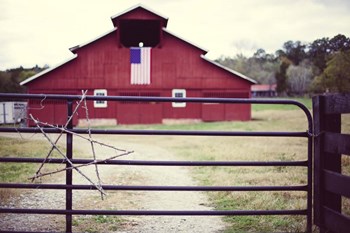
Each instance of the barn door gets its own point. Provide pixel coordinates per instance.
(139, 112)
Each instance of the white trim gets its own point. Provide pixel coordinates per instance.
(72, 49)
(47, 71)
(135, 7)
(229, 70)
(100, 103)
(183, 94)
(178, 37)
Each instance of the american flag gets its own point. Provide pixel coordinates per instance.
(140, 61)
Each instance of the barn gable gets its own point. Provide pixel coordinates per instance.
(139, 12)
(140, 15)
(175, 67)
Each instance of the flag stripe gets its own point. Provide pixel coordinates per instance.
(140, 59)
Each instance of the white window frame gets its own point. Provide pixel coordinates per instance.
(100, 103)
(174, 94)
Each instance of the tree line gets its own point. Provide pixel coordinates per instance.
(10, 79)
(299, 68)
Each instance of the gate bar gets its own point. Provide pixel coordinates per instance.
(157, 188)
(161, 132)
(161, 163)
(69, 172)
(164, 99)
(154, 212)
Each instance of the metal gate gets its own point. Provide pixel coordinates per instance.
(69, 187)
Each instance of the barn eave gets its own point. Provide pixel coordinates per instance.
(143, 7)
(38, 75)
(186, 41)
(75, 48)
(229, 70)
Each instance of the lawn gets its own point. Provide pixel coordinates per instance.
(266, 118)
(20, 172)
(260, 107)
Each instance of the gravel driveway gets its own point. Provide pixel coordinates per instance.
(123, 200)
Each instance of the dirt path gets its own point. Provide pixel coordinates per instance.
(122, 175)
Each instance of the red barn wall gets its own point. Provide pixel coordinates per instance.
(175, 64)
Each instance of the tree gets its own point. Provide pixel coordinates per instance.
(299, 78)
(320, 50)
(294, 51)
(293, 67)
(339, 43)
(281, 76)
(336, 76)
(318, 53)
(11, 78)
(260, 67)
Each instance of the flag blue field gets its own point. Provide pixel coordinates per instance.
(140, 61)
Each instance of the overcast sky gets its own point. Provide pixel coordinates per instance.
(41, 31)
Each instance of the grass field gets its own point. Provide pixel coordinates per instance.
(260, 107)
(265, 118)
(20, 172)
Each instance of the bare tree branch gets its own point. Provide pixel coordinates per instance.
(60, 135)
(54, 146)
(92, 144)
(81, 165)
(63, 130)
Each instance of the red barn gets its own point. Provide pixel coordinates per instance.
(140, 57)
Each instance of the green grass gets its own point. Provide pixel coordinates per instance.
(265, 118)
(251, 149)
(269, 118)
(19, 172)
(98, 223)
(261, 107)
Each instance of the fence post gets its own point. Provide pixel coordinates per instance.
(69, 172)
(323, 160)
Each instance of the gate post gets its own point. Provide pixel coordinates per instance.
(324, 160)
(69, 172)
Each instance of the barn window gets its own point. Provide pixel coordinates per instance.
(179, 93)
(132, 32)
(100, 103)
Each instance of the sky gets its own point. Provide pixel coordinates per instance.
(39, 32)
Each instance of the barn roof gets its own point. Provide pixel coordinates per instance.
(73, 49)
(47, 70)
(114, 18)
(229, 70)
(264, 87)
(187, 41)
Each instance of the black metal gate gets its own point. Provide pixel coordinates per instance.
(330, 185)
(68, 186)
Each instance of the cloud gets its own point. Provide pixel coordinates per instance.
(41, 31)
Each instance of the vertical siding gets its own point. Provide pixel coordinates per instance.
(104, 64)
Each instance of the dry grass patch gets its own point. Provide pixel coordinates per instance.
(20, 172)
(253, 149)
(207, 148)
